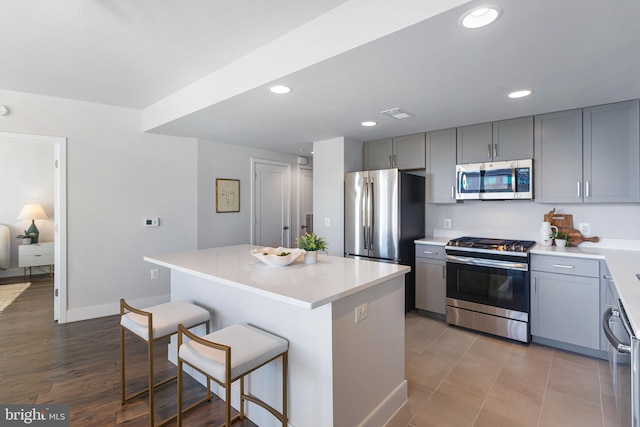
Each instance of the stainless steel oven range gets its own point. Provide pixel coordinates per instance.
(488, 286)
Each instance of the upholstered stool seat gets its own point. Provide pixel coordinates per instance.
(228, 355)
(151, 324)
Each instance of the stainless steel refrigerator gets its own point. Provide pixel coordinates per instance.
(384, 214)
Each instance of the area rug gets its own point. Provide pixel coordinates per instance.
(8, 293)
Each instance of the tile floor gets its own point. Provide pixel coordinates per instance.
(461, 378)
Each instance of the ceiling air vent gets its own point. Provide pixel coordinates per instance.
(397, 113)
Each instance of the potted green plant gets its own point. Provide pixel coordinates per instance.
(311, 243)
(26, 237)
(561, 239)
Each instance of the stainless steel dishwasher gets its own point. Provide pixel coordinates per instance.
(624, 360)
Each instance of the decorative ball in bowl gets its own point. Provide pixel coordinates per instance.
(277, 257)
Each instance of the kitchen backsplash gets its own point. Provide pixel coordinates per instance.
(616, 225)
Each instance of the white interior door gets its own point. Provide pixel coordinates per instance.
(271, 204)
(305, 201)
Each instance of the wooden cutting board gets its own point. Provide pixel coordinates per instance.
(564, 222)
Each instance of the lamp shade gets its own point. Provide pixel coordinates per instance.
(31, 212)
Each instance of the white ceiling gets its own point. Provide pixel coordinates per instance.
(200, 68)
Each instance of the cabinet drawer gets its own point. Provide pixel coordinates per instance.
(33, 260)
(430, 251)
(36, 249)
(566, 265)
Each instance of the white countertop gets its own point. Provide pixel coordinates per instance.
(623, 266)
(307, 286)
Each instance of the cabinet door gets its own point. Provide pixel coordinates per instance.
(378, 154)
(558, 157)
(513, 139)
(409, 151)
(566, 308)
(441, 166)
(475, 143)
(612, 153)
(431, 285)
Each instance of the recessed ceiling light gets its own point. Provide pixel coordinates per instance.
(368, 123)
(519, 94)
(480, 16)
(280, 89)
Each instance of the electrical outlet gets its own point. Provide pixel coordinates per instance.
(154, 273)
(447, 223)
(362, 312)
(327, 221)
(585, 228)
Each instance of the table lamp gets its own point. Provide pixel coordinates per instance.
(32, 212)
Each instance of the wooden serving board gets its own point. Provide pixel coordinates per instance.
(564, 222)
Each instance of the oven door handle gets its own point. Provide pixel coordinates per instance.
(482, 262)
(619, 346)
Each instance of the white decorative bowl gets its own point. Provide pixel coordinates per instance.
(272, 257)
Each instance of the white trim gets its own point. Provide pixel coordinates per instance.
(112, 308)
(60, 208)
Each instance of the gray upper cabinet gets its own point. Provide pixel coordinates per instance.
(475, 143)
(558, 157)
(441, 166)
(503, 140)
(589, 155)
(378, 154)
(612, 153)
(404, 152)
(513, 139)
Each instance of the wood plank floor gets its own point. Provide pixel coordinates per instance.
(79, 364)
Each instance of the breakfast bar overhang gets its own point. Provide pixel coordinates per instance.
(341, 372)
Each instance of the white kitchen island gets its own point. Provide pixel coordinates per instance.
(341, 373)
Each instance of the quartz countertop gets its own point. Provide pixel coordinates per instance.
(441, 241)
(305, 285)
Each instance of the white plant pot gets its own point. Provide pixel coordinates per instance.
(311, 257)
(26, 241)
(561, 243)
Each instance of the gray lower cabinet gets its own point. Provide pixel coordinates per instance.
(565, 300)
(589, 155)
(441, 166)
(403, 152)
(431, 278)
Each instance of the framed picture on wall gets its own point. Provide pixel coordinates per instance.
(227, 195)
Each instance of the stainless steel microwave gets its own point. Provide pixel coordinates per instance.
(507, 180)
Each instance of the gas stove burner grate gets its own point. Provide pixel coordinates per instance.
(499, 245)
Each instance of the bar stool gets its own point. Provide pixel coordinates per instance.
(228, 355)
(151, 324)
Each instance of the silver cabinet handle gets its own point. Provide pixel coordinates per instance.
(535, 286)
(395, 161)
(453, 192)
(570, 267)
(578, 189)
(390, 161)
(586, 189)
(489, 151)
(427, 252)
(495, 150)
(444, 269)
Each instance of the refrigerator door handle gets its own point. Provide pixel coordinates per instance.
(372, 219)
(365, 213)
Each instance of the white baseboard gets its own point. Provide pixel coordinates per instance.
(95, 311)
(388, 407)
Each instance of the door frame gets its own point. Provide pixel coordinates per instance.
(299, 196)
(60, 207)
(254, 162)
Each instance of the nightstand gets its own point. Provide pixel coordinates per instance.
(35, 255)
